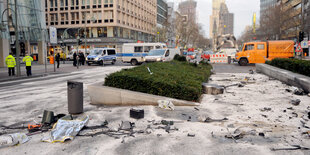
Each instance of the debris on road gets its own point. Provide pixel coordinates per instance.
(209, 120)
(165, 104)
(265, 109)
(136, 113)
(251, 71)
(13, 139)
(126, 125)
(294, 147)
(212, 89)
(66, 128)
(295, 102)
(191, 135)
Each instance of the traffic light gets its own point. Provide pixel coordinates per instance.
(301, 36)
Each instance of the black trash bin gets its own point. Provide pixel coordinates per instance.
(75, 97)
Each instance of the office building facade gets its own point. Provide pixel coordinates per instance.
(106, 23)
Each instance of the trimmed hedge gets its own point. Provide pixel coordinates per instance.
(174, 79)
(294, 65)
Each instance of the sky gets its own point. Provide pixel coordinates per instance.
(243, 13)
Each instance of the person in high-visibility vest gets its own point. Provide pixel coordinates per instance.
(11, 63)
(28, 60)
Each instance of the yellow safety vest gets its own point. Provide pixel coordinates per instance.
(10, 61)
(28, 60)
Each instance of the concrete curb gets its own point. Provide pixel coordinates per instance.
(285, 76)
(102, 95)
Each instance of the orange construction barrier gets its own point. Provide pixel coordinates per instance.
(51, 60)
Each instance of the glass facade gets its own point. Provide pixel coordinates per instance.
(31, 19)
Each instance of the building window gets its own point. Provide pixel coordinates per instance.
(51, 3)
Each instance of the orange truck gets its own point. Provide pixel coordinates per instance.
(260, 52)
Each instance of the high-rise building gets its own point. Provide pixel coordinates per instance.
(106, 23)
(226, 21)
(31, 27)
(214, 18)
(291, 21)
(265, 6)
(188, 8)
(162, 12)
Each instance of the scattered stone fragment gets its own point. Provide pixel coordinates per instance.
(299, 91)
(295, 102)
(251, 71)
(191, 135)
(264, 116)
(265, 109)
(126, 125)
(231, 126)
(309, 95)
(208, 120)
(212, 89)
(288, 90)
(196, 108)
(261, 134)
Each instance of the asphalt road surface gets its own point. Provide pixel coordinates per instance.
(232, 68)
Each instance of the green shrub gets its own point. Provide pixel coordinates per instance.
(174, 79)
(179, 58)
(294, 65)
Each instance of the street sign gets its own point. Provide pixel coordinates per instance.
(53, 35)
(304, 44)
(298, 48)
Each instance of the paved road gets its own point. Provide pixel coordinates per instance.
(232, 68)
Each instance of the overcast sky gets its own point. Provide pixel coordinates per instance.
(243, 11)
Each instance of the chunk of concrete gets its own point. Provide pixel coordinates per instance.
(114, 96)
(212, 89)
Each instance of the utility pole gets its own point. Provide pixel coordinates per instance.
(17, 41)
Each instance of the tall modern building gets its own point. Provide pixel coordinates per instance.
(188, 8)
(265, 6)
(106, 23)
(162, 12)
(226, 21)
(214, 18)
(292, 22)
(31, 27)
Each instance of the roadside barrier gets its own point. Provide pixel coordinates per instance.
(218, 58)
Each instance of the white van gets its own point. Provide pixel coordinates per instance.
(162, 55)
(134, 53)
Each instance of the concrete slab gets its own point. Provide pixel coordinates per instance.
(100, 94)
(285, 76)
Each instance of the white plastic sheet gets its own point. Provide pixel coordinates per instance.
(66, 128)
(165, 104)
(13, 139)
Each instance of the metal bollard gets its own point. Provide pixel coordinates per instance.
(75, 97)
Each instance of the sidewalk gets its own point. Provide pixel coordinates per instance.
(39, 70)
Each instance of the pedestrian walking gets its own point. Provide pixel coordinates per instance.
(74, 59)
(58, 59)
(10, 63)
(83, 58)
(28, 60)
(80, 58)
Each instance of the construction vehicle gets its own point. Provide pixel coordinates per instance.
(261, 51)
